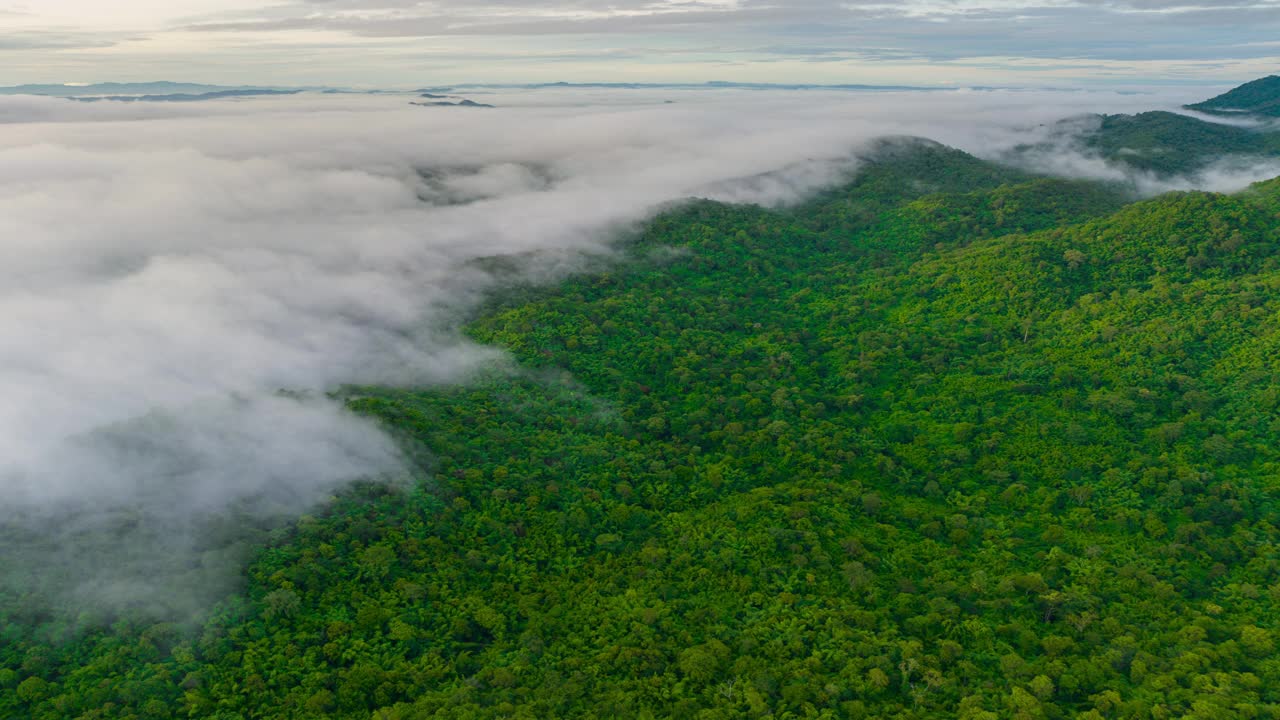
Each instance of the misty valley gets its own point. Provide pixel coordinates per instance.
(893, 405)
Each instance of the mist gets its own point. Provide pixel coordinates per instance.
(1059, 149)
(184, 285)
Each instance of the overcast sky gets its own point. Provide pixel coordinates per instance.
(414, 42)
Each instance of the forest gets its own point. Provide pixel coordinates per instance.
(950, 440)
(1260, 97)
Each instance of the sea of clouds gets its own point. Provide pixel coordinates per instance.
(183, 284)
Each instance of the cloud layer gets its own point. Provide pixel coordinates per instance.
(398, 42)
(183, 284)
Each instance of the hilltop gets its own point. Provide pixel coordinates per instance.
(1259, 97)
(1167, 143)
(1162, 143)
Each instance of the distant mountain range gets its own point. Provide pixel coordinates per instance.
(164, 91)
(1260, 98)
(716, 84)
(120, 89)
(184, 97)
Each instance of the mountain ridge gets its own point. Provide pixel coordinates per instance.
(1258, 97)
(948, 440)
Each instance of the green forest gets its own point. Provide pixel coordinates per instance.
(1260, 97)
(951, 440)
(1169, 144)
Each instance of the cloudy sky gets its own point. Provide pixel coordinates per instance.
(411, 42)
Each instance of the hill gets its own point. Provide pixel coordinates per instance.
(1163, 144)
(1167, 143)
(950, 441)
(464, 103)
(1260, 97)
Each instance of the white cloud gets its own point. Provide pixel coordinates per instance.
(400, 42)
(126, 14)
(171, 268)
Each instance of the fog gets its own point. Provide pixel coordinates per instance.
(1058, 149)
(184, 284)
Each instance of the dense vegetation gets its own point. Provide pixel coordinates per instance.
(1260, 97)
(948, 441)
(1168, 144)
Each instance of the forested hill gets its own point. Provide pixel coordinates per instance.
(1160, 143)
(1169, 144)
(951, 441)
(1260, 97)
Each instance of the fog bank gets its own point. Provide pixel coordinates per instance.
(184, 283)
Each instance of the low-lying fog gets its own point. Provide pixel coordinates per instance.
(170, 269)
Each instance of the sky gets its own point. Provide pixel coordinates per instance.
(408, 43)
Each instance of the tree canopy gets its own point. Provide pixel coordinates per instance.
(950, 441)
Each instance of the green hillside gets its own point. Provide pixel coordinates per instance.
(1167, 144)
(1163, 144)
(1260, 97)
(949, 441)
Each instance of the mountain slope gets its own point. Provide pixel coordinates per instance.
(1168, 144)
(1259, 97)
(949, 442)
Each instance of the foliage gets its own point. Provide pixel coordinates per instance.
(1259, 97)
(1167, 143)
(948, 442)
